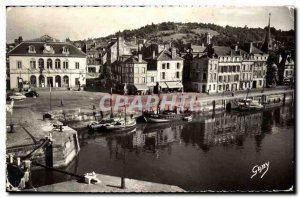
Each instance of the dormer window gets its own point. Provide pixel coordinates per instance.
(65, 50)
(48, 49)
(31, 49)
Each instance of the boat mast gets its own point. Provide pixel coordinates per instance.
(111, 109)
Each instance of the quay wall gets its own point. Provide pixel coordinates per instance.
(59, 153)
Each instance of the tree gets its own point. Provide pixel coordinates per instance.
(271, 76)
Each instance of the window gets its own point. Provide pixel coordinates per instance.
(215, 76)
(41, 63)
(177, 74)
(220, 87)
(77, 65)
(163, 75)
(144, 80)
(143, 70)
(163, 66)
(19, 64)
(49, 64)
(32, 64)
(178, 65)
(31, 49)
(57, 64)
(152, 79)
(214, 87)
(209, 87)
(168, 65)
(65, 50)
(220, 78)
(66, 64)
(204, 76)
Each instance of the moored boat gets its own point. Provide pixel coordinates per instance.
(248, 105)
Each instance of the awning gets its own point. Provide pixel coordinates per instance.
(163, 85)
(141, 87)
(172, 85)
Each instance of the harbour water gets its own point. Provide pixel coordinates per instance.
(219, 152)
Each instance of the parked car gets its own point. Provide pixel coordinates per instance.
(17, 96)
(32, 94)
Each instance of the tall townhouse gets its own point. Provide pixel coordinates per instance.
(134, 71)
(204, 74)
(168, 66)
(229, 64)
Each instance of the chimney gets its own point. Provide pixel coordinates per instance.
(208, 39)
(173, 52)
(140, 56)
(153, 54)
(251, 47)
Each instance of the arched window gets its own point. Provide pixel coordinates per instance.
(49, 64)
(32, 63)
(57, 64)
(41, 63)
(66, 64)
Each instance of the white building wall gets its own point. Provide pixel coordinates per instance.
(25, 72)
(170, 74)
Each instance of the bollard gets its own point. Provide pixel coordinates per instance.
(61, 102)
(214, 105)
(18, 161)
(11, 128)
(123, 183)
(11, 158)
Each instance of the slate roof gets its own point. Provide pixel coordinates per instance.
(198, 48)
(22, 49)
(166, 55)
(255, 50)
(135, 60)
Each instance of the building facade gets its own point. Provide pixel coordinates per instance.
(45, 64)
(204, 74)
(134, 74)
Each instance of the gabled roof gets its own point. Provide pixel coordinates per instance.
(135, 60)
(198, 48)
(22, 49)
(255, 50)
(166, 55)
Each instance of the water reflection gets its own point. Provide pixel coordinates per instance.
(218, 130)
(193, 154)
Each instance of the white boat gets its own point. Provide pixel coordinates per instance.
(188, 118)
(98, 124)
(248, 105)
(121, 125)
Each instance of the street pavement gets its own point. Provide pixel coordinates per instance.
(60, 100)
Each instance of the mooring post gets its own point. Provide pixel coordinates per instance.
(61, 102)
(123, 186)
(214, 105)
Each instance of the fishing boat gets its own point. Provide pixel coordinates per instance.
(95, 125)
(188, 118)
(166, 115)
(121, 125)
(248, 105)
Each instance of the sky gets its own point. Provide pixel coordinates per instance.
(90, 22)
